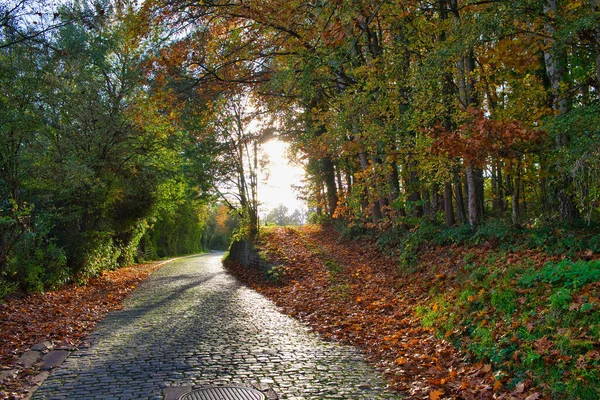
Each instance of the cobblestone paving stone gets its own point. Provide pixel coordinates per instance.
(192, 324)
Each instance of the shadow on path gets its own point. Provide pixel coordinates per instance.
(194, 324)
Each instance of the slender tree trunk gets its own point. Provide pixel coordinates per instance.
(393, 178)
(516, 194)
(448, 208)
(501, 188)
(480, 192)
(495, 189)
(437, 200)
(555, 61)
(427, 206)
(383, 201)
(460, 199)
(320, 199)
(348, 174)
(473, 205)
(329, 178)
(338, 175)
(375, 207)
(470, 80)
(414, 196)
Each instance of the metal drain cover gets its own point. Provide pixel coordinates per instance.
(224, 393)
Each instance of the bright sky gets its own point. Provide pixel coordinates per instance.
(275, 182)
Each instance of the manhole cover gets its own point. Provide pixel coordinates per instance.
(224, 393)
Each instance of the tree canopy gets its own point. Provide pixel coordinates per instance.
(122, 120)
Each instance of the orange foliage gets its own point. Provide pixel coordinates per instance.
(482, 137)
(364, 301)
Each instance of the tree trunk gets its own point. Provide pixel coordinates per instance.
(473, 201)
(383, 201)
(460, 200)
(329, 178)
(497, 186)
(480, 192)
(338, 176)
(427, 206)
(375, 208)
(414, 196)
(555, 61)
(348, 174)
(495, 189)
(448, 209)
(516, 194)
(393, 179)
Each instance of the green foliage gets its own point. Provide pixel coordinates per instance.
(333, 269)
(37, 263)
(277, 274)
(89, 157)
(352, 231)
(542, 322)
(580, 160)
(179, 232)
(561, 240)
(219, 228)
(96, 253)
(566, 273)
(505, 300)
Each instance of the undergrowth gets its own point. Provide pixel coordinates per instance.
(525, 300)
(534, 319)
(408, 243)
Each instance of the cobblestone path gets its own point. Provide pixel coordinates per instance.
(192, 324)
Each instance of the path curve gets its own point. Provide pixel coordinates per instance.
(193, 324)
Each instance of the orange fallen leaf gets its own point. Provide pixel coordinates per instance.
(497, 386)
(435, 394)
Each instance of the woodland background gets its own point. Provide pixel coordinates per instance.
(128, 129)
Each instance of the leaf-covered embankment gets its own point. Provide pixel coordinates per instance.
(469, 322)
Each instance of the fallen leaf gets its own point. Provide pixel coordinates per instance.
(435, 394)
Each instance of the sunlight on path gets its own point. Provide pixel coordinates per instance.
(193, 324)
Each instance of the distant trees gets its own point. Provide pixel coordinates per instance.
(281, 216)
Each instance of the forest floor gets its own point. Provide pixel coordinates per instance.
(351, 291)
(62, 318)
(464, 321)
